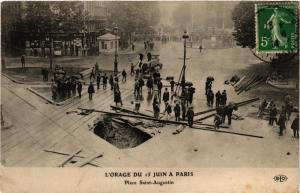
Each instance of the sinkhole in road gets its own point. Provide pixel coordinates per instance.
(120, 135)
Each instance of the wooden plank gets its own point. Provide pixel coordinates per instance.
(228, 132)
(129, 111)
(238, 104)
(69, 158)
(90, 159)
(237, 83)
(62, 153)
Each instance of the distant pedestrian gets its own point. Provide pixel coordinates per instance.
(210, 98)
(136, 89)
(183, 109)
(156, 110)
(91, 90)
(166, 96)
(132, 69)
(159, 87)
(73, 87)
(150, 85)
(218, 97)
(111, 82)
(92, 75)
(141, 84)
(117, 97)
(132, 47)
(23, 61)
(177, 112)
(229, 110)
(79, 89)
(98, 81)
(217, 121)
(289, 109)
(281, 123)
(168, 110)
(273, 115)
(190, 116)
(124, 74)
(104, 81)
(69, 88)
(295, 127)
(54, 90)
(200, 48)
(172, 83)
(223, 100)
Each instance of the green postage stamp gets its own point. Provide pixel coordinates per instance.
(276, 27)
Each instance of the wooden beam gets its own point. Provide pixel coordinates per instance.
(69, 158)
(90, 159)
(228, 132)
(129, 111)
(238, 104)
(61, 153)
(206, 117)
(146, 118)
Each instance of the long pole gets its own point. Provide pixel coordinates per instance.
(183, 71)
(116, 56)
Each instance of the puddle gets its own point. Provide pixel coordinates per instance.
(119, 135)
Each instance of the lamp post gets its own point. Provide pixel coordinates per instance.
(185, 36)
(116, 51)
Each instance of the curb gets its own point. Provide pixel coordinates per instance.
(27, 83)
(45, 98)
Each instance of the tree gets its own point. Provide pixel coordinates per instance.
(243, 17)
(133, 17)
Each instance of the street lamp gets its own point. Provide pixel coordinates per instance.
(185, 36)
(115, 29)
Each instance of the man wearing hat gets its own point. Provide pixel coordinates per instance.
(190, 116)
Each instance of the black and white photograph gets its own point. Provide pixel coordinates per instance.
(150, 84)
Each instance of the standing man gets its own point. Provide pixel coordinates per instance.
(141, 84)
(111, 82)
(183, 109)
(166, 96)
(177, 112)
(200, 48)
(132, 47)
(273, 115)
(104, 80)
(223, 98)
(281, 122)
(98, 81)
(295, 126)
(92, 75)
(218, 97)
(172, 83)
(91, 90)
(190, 116)
(159, 87)
(118, 98)
(79, 89)
(23, 61)
(131, 69)
(124, 74)
(136, 89)
(168, 109)
(228, 111)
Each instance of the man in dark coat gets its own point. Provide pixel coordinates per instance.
(172, 83)
(218, 97)
(150, 85)
(124, 74)
(104, 81)
(228, 111)
(281, 122)
(132, 69)
(295, 127)
(141, 84)
(91, 90)
(177, 112)
(190, 116)
(23, 61)
(159, 87)
(98, 81)
(79, 89)
(223, 98)
(273, 115)
(183, 109)
(166, 96)
(111, 82)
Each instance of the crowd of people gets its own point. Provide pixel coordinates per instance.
(281, 116)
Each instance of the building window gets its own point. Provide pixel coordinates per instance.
(103, 45)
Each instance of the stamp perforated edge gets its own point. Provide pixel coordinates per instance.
(297, 4)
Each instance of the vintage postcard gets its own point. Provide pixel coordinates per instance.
(149, 96)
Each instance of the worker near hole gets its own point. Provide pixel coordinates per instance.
(282, 122)
(190, 116)
(166, 96)
(228, 110)
(168, 110)
(177, 112)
